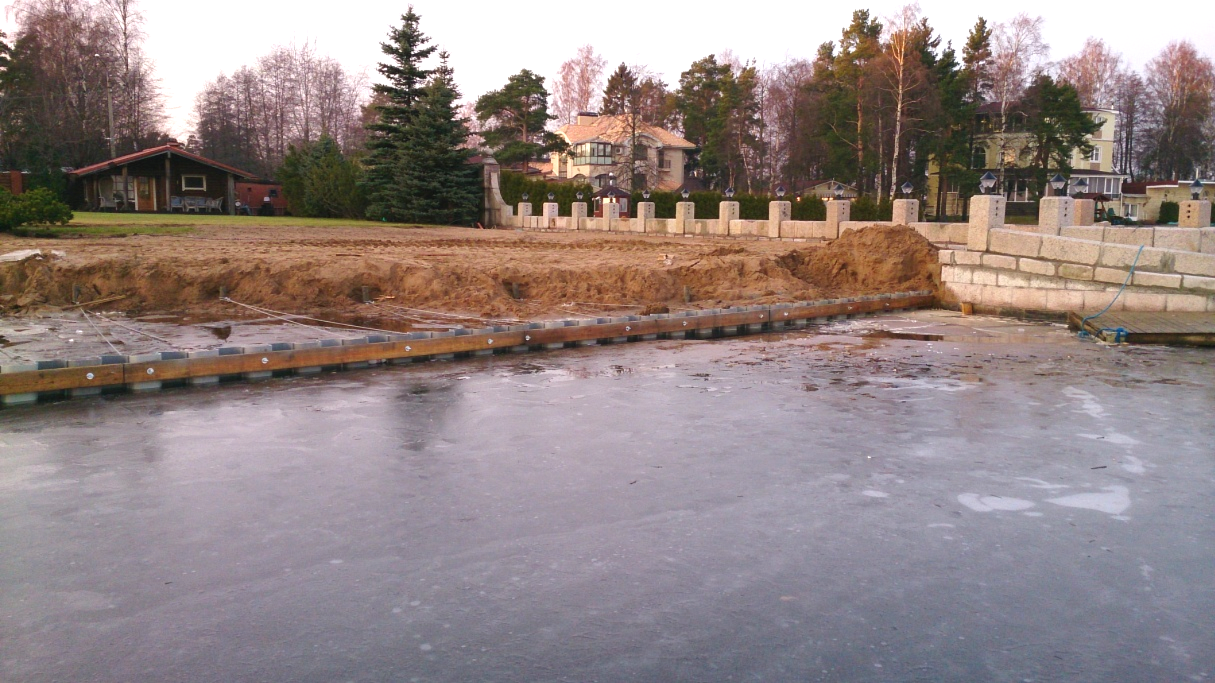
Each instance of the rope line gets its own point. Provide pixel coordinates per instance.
(99, 334)
(132, 329)
(1119, 332)
(272, 313)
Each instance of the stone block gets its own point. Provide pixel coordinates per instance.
(1113, 276)
(1189, 303)
(1156, 280)
(955, 274)
(1124, 255)
(967, 258)
(1176, 239)
(1064, 300)
(1056, 213)
(1144, 301)
(1206, 240)
(778, 213)
(998, 297)
(977, 238)
(980, 276)
(839, 211)
(964, 292)
(1074, 272)
(1093, 233)
(999, 261)
(987, 211)
(1194, 264)
(611, 211)
(945, 256)
(1013, 279)
(1072, 251)
(1206, 284)
(905, 211)
(1036, 267)
(1124, 235)
(1029, 299)
(1097, 300)
(685, 214)
(1085, 212)
(1083, 285)
(1015, 243)
(550, 210)
(726, 212)
(1194, 214)
(578, 214)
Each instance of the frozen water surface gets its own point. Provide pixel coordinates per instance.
(787, 508)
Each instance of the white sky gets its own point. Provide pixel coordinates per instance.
(191, 43)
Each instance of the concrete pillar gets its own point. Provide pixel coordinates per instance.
(1194, 214)
(986, 212)
(1056, 213)
(838, 211)
(524, 212)
(778, 212)
(645, 213)
(726, 212)
(685, 215)
(550, 210)
(906, 212)
(578, 216)
(1085, 212)
(611, 211)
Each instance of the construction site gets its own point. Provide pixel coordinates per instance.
(830, 453)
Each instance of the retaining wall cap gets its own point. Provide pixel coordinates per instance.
(51, 364)
(174, 355)
(282, 346)
(113, 359)
(377, 338)
(84, 362)
(145, 357)
(232, 351)
(325, 343)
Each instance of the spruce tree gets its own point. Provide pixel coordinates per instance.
(407, 47)
(438, 183)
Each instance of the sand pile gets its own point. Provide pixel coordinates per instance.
(486, 274)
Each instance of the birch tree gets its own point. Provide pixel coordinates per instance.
(578, 84)
(1018, 52)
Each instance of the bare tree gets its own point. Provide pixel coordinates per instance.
(578, 84)
(1127, 100)
(1093, 72)
(1178, 108)
(904, 76)
(140, 104)
(1018, 53)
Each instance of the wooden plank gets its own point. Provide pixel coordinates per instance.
(38, 381)
(271, 361)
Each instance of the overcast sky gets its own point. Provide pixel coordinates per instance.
(192, 43)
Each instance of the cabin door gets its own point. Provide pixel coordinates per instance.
(145, 194)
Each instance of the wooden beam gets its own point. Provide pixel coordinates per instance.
(272, 361)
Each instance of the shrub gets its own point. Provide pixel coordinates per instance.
(514, 185)
(39, 206)
(1170, 212)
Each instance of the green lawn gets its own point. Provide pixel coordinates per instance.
(94, 224)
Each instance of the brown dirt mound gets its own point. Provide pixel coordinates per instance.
(875, 260)
(487, 274)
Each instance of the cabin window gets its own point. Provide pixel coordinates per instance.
(196, 183)
(274, 193)
(1095, 155)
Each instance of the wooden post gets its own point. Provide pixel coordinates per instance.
(126, 184)
(231, 195)
(168, 184)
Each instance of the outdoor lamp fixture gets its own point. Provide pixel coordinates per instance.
(729, 193)
(685, 194)
(987, 182)
(838, 191)
(526, 196)
(551, 196)
(1081, 187)
(907, 188)
(1196, 189)
(612, 179)
(645, 194)
(579, 196)
(780, 191)
(1058, 182)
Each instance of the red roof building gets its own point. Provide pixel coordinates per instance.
(165, 178)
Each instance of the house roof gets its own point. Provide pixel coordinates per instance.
(616, 129)
(118, 162)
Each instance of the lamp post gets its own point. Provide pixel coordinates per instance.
(1196, 189)
(838, 191)
(1081, 188)
(729, 193)
(109, 96)
(987, 182)
(907, 188)
(1058, 183)
(685, 194)
(551, 196)
(579, 196)
(780, 191)
(645, 194)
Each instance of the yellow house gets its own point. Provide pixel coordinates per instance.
(1141, 201)
(1015, 146)
(601, 146)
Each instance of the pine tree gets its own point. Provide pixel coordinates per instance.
(439, 184)
(517, 115)
(407, 47)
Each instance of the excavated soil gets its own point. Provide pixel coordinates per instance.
(480, 274)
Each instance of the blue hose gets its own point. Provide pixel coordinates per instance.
(1119, 332)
